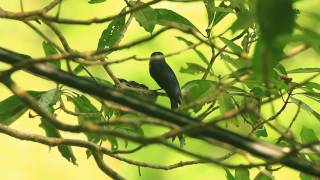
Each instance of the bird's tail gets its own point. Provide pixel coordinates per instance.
(174, 105)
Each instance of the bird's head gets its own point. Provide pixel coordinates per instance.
(156, 56)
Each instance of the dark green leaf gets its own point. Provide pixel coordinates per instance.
(262, 176)
(111, 35)
(199, 53)
(261, 132)
(275, 18)
(229, 176)
(242, 174)
(12, 108)
(210, 10)
(49, 50)
(167, 17)
(146, 17)
(96, 1)
(233, 46)
(304, 70)
(193, 69)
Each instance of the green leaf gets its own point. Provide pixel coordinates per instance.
(304, 70)
(146, 17)
(49, 50)
(308, 135)
(312, 85)
(275, 18)
(261, 132)
(12, 108)
(199, 53)
(233, 46)
(245, 20)
(130, 128)
(167, 17)
(221, 14)
(193, 69)
(47, 101)
(313, 95)
(226, 104)
(96, 1)
(196, 89)
(229, 176)
(305, 107)
(111, 35)
(210, 10)
(265, 59)
(262, 176)
(89, 114)
(236, 62)
(242, 174)
(51, 131)
(305, 176)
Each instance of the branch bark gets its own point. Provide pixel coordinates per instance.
(259, 149)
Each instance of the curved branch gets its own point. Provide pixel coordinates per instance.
(260, 149)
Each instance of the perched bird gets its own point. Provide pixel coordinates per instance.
(161, 72)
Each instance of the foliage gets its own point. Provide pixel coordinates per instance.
(252, 48)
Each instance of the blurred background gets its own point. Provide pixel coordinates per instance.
(31, 161)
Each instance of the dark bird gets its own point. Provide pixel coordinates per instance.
(161, 72)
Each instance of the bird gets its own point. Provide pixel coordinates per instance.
(164, 76)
